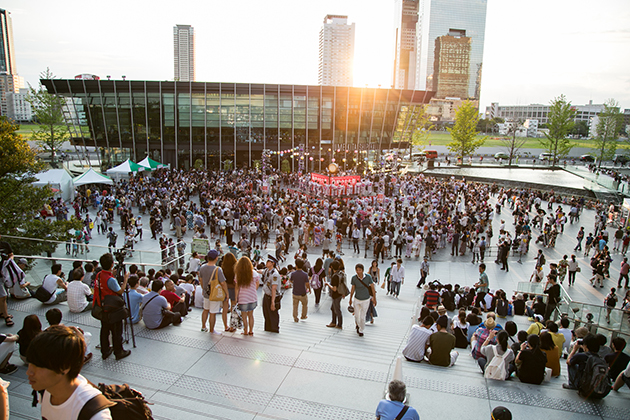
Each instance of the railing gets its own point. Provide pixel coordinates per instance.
(608, 321)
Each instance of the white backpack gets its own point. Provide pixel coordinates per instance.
(496, 368)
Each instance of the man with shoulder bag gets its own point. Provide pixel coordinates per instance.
(362, 290)
(108, 297)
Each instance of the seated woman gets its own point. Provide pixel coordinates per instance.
(531, 361)
(32, 326)
(501, 349)
(460, 329)
(551, 350)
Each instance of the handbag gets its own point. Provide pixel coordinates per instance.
(42, 294)
(216, 293)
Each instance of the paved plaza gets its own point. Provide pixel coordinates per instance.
(308, 371)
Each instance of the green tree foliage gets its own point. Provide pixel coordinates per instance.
(464, 132)
(560, 123)
(21, 201)
(413, 126)
(609, 123)
(16, 156)
(48, 112)
(580, 129)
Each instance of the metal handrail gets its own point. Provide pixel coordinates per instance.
(66, 242)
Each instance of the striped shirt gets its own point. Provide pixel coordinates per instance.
(417, 343)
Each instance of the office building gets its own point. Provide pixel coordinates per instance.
(7, 55)
(188, 123)
(184, 48)
(437, 18)
(540, 112)
(406, 20)
(336, 51)
(10, 82)
(452, 65)
(18, 108)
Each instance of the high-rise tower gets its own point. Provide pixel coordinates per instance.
(336, 51)
(7, 58)
(437, 18)
(406, 19)
(184, 44)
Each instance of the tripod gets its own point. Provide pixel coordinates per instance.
(120, 270)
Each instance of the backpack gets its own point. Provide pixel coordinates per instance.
(316, 283)
(595, 382)
(124, 403)
(342, 289)
(496, 368)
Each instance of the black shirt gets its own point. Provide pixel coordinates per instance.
(617, 362)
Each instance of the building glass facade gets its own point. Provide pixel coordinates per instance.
(189, 124)
(437, 18)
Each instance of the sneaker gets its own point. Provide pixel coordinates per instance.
(567, 386)
(204, 330)
(123, 354)
(106, 354)
(9, 369)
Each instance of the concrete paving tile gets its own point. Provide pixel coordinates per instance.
(349, 393)
(181, 407)
(238, 371)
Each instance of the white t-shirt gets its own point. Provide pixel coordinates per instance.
(50, 284)
(198, 297)
(71, 408)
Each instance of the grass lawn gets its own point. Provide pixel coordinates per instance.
(443, 138)
(27, 129)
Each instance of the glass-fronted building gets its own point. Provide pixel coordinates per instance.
(201, 124)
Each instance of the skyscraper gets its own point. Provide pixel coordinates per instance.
(184, 44)
(406, 19)
(336, 51)
(451, 68)
(10, 82)
(7, 59)
(437, 18)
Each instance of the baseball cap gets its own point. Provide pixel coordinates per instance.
(22, 261)
(213, 254)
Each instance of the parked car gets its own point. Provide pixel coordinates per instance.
(587, 158)
(501, 155)
(546, 156)
(621, 159)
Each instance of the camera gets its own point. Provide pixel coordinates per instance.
(120, 255)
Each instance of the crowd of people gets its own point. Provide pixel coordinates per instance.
(415, 218)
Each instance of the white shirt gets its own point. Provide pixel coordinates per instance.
(398, 274)
(50, 283)
(71, 408)
(77, 291)
(417, 343)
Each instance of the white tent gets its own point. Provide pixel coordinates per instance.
(58, 179)
(92, 177)
(125, 168)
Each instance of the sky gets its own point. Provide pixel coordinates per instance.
(534, 50)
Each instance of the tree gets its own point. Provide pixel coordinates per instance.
(419, 126)
(512, 143)
(580, 129)
(609, 123)
(48, 113)
(560, 123)
(464, 132)
(21, 200)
